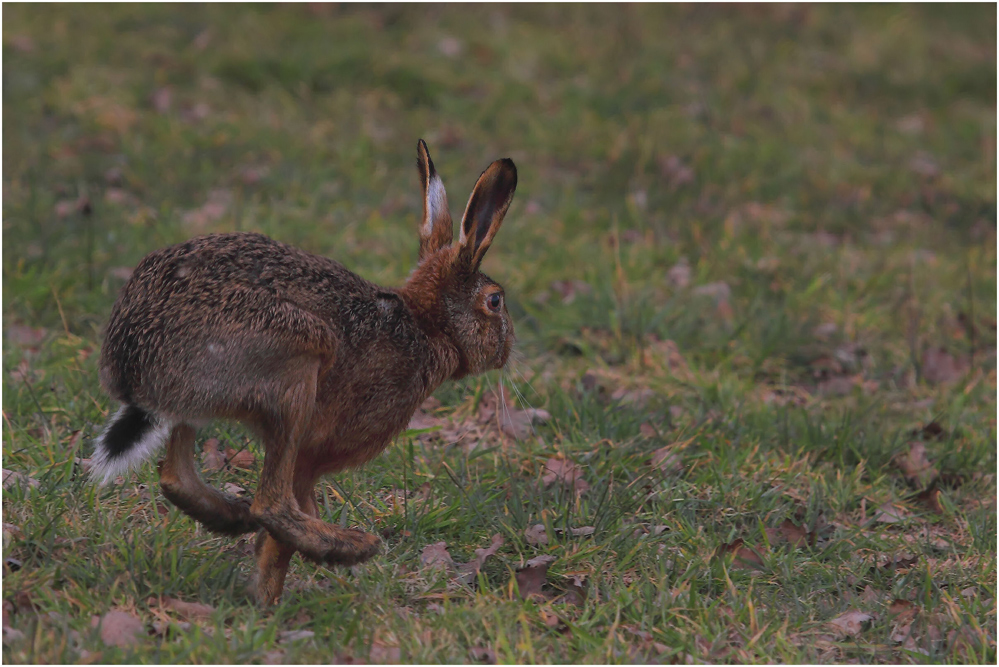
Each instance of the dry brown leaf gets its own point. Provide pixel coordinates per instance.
(531, 578)
(11, 479)
(244, 458)
(941, 367)
(436, 556)
(470, 570)
(965, 643)
(383, 653)
(519, 424)
(162, 99)
(483, 654)
(234, 489)
(288, 636)
(744, 557)
(914, 465)
(421, 421)
(839, 385)
(851, 623)
(796, 536)
(211, 457)
(891, 513)
(119, 628)
(904, 611)
(648, 430)
(679, 274)
(188, 610)
(666, 459)
(536, 535)
(566, 472)
(930, 499)
(25, 336)
(719, 291)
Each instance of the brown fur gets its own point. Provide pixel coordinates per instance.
(326, 367)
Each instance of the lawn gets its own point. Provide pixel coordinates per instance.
(751, 416)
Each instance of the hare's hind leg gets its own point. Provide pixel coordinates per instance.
(275, 505)
(217, 511)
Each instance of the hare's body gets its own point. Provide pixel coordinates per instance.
(259, 305)
(323, 365)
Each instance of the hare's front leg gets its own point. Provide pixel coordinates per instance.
(273, 557)
(217, 511)
(275, 505)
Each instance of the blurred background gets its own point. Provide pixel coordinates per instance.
(806, 156)
(751, 261)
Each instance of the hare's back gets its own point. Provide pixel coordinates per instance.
(218, 306)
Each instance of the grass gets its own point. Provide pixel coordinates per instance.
(826, 174)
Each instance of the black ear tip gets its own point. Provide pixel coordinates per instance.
(511, 170)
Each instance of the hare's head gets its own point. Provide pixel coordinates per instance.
(452, 296)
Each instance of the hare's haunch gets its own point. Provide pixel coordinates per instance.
(324, 366)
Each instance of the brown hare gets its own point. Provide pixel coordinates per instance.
(324, 366)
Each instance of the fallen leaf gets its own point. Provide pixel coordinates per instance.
(648, 430)
(11, 478)
(531, 578)
(189, 610)
(930, 499)
(965, 644)
(796, 535)
(519, 424)
(744, 557)
(679, 274)
(565, 471)
(288, 636)
(161, 99)
(719, 291)
(575, 593)
(244, 458)
(22, 43)
(923, 164)
(436, 556)
(851, 623)
(914, 465)
(470, 570)
(274, 657)
(891, 513)
(666, 459)
(636, 397)
(839, 385)
(904, 611)
(675, 172)
(536, 535)
(119, 628)
(211, 457)
(931, 431)
(381, 652)
(421, 421)
(483, 654)
(940, 367)
(234, 489)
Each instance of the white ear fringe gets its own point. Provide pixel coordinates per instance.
(436, 204)
(105, 467)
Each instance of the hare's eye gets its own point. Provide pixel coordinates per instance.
(494, 301)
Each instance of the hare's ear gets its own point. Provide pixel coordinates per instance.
(436, 230)
(489, 202)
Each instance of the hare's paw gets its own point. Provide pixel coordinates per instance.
(351, 546)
